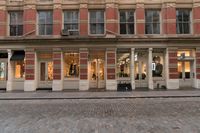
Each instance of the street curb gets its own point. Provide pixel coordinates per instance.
(63, 98)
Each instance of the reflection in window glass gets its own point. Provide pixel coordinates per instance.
(71, 20)
(97, 22)
(45, 22)
(183, 21)
(152, 22)
(157, 66)
(71, 65)
(126, 22)
(16, 23)
(2, 71)
(123, 63)
(19, 69)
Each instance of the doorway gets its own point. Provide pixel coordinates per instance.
(96, 68)
(186, 73)
(46, 74)
(141, 77)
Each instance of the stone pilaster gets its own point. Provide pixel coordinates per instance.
(30, 62)
(111, 18)
(197, 84)
(172, 81)
(196, 17)
(30, 18)
(169, 18)
(3, 18)
(111, 83)
(57, 75)
(57, 17)
(140, 18)
(150, 78)
(84, 82)
(10, 72)
(83, 19)
(132, 72)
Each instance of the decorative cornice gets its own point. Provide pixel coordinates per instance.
(83, 5)
(57, 6)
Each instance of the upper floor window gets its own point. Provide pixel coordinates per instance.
(16, 23)
(152, 22)
(45, 22)
(71, 21)
(126, 22)
(183, 21)
(96, 22)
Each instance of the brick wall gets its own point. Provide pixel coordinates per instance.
(57, 55)
(173, 63)
(111, 62)
(30, 64)
(83, 64)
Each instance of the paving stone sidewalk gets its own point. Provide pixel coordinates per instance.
(98, 95)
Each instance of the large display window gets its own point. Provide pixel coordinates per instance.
(19, 69)
(123, 63)
(71, 65)
(2, 71)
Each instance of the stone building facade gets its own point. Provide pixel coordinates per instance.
(85, 44)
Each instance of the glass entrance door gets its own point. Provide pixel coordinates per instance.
(141, 70)
(46, 74)
(97, 73)
(186, 73)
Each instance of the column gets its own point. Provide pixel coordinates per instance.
(84, 82)
(57, 75)
(10, 72)
(3, 18)
(140, 19)
(111, 83)
(196, 17)
(30, 18)
(111, 18)
(172, 81)
(57, 17)
(150, 76)
(197, 83)
(83, 19)
(132, 71)
(169, 18)
(30, 74)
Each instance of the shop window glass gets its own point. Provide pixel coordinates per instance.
(2, 71)
(19, 69)
(123, 63)
(71, 65)
(157, 66)
(185, 53)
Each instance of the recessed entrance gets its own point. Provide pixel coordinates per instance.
(141, 78)
(97, 70)
(186, 73)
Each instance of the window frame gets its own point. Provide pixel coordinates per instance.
(21, 78)
(134, 22)
(182, 22)
(9, 26)
(78, 20)
(160, 23)
(64, 64)
(38, 23)
(89, 12)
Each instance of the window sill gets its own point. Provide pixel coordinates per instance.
(19, 80)
(68, 79)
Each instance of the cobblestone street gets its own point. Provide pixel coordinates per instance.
(142, 115)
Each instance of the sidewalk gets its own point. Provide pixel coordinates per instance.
(45, 95)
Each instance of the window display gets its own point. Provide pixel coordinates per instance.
(19, 69)
(157, 66)
(123, 63)
(71, 65)
(2, 70)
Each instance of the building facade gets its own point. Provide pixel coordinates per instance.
(85, 44)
